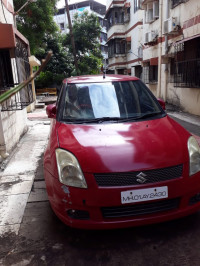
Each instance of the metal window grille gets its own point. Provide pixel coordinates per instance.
(116, 16)
(24, 97)
(146, 74)
(187, 73)
(150, 74)
(153, 74)
(116, 47)
(184, 71)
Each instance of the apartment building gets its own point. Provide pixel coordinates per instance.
(90, 6)
(171, 56)
(167, 36)
(125, 39)
(14, 68)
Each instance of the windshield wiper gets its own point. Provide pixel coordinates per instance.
(133, 118)
(102, 119)
(112, 119)
(92, 120)
(147, 115)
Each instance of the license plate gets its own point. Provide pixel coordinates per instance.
(147, 194)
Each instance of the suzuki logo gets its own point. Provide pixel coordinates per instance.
(141, 178)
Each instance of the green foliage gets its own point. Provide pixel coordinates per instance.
(60, 65)
(90, 65)
(36, 20)
(86, 30)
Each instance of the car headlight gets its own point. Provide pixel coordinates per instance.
(69, 170)
(194, 154)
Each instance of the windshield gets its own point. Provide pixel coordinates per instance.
(108, 101)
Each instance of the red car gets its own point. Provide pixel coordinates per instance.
(115, 158)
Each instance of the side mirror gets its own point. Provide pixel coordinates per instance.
(162, 103)
(51, 111)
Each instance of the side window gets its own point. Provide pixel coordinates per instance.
(146, 101)
(59, 93)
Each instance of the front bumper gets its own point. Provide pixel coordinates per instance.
(67, 200)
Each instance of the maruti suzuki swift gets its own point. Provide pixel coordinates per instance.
(115, 158)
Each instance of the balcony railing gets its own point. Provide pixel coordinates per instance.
(21, 72)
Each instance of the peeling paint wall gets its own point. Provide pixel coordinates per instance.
(14, 126)
(188, 99)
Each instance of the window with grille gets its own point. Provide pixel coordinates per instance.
(116, 46)
(153, 74)
(137, 5)
(115, 17)
(146, 74)
(6, 76)
(150, 74)
(185, 67)
(21, 72)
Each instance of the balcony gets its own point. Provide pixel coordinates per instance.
(117, 3)
(118, 15)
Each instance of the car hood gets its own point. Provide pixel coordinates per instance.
(121, 147)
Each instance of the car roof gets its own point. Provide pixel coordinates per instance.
(99, 78)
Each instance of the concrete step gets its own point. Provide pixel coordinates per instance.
(40, 105)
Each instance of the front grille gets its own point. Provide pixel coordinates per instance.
(130, 178)
(140, 209)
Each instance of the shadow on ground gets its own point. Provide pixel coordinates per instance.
(45, 240)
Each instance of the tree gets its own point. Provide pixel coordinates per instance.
(61, 64)
(36, 20)
(86, 31)
(71, 36)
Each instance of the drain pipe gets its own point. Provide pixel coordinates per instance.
(160, 48)
(166, 52)
(3, 151)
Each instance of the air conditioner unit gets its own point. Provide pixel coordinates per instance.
(150, 37)
(171, 25)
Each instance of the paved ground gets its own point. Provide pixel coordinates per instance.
(42, 239)
(17, 178)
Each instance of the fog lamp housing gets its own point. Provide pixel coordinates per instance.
(78, 214)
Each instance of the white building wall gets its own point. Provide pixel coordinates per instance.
(136, 36)
(14, 126)
(188, 18)
(187, 14)
(5, 15)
